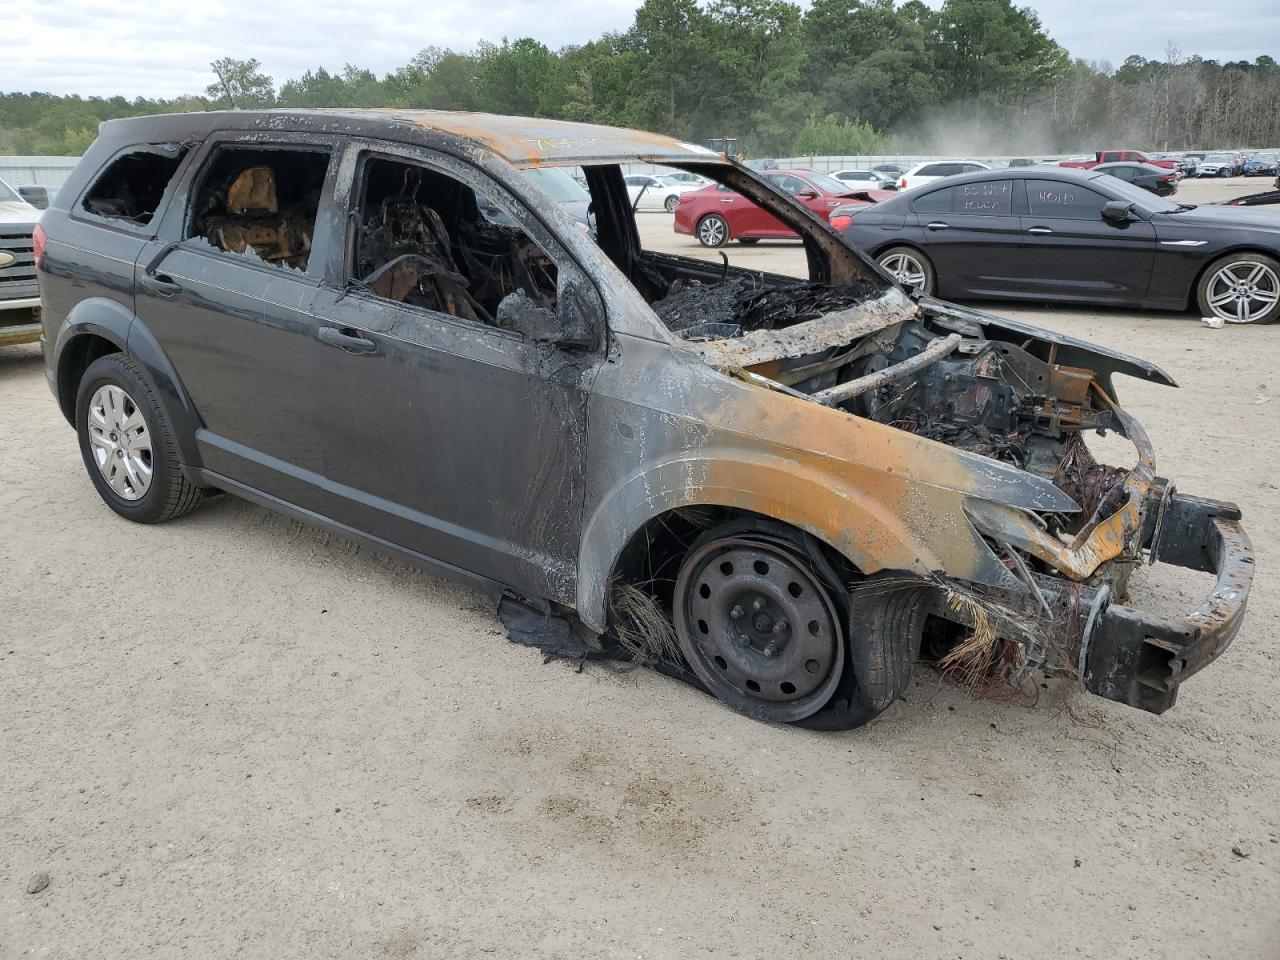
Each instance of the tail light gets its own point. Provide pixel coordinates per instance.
(685, 198)
(902, 184)
(1166, 178)
(38, 240)
(841, 222)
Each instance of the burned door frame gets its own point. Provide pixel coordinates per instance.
(447, 437)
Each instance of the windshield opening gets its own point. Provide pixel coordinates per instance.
(558, 185)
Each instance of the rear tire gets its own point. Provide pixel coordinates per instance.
(671, 203)
(909, 267)
(127, 444)
(713, 231)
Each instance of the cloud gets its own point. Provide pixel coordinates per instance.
(163, 49)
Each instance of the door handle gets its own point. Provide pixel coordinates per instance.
(346, 339)
(937, 225)
(1039, 230)
(159, 284)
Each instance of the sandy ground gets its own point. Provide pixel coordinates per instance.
(235, 736)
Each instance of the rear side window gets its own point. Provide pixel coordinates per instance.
(989, 199)
(134, 183)
(1067, 201)
(939, 201)
(260, 203)
(937, 170)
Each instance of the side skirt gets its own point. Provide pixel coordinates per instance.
(490, 588)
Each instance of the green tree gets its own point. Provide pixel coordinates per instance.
(240, 84)
(992, 51)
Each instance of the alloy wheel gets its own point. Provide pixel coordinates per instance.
(906, 269)
(1243, 291)
(120, 442)
(711, 231)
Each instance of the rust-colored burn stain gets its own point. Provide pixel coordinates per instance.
(529, 141)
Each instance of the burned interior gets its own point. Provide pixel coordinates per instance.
(428, 240)
(261, 203)
(132, 185)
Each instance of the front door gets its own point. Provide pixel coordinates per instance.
(1070, 252)
(226, 289)
(449, 426)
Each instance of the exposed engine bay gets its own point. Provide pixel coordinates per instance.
(922, 375)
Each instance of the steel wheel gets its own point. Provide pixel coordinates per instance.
(758, 628)
(1243, 291)
(712, 231)
(120, 442)
(906, 269)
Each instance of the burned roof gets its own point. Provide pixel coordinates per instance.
(521, 141)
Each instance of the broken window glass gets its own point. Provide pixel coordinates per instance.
(426, 239)
(260, 203)
(133, 184)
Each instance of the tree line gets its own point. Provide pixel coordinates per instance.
(840, 77)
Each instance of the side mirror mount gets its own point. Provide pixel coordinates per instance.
(1117, 211)
(571, 327)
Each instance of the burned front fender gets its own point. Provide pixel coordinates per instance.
(884, 498)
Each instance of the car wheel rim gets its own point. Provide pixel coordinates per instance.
(1244, 291)
(120, 442)
(906, 269)
(670, 204)
(758, 629)
(711, 232)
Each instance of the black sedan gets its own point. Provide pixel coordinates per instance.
(1158, 180)
(1073, 236)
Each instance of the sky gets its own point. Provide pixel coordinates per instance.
(163, 49)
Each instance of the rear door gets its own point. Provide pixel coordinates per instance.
(972, 236)
(226, 289)
(1070, 252)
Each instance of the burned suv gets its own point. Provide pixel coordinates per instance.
(785, 491)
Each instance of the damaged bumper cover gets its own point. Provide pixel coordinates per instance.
(1139, 659)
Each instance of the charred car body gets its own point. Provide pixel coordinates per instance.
(780, 489)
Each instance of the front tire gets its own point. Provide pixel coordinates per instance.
(127, 444)
(713, 230)
(1241, 288)
(909, 267)
(748, 241)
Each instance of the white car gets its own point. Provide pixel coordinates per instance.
(923, 173)
(869, 179)
(656, 192)
(1216, 165)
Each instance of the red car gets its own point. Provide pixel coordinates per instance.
(716, 214)
(1118, 156)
